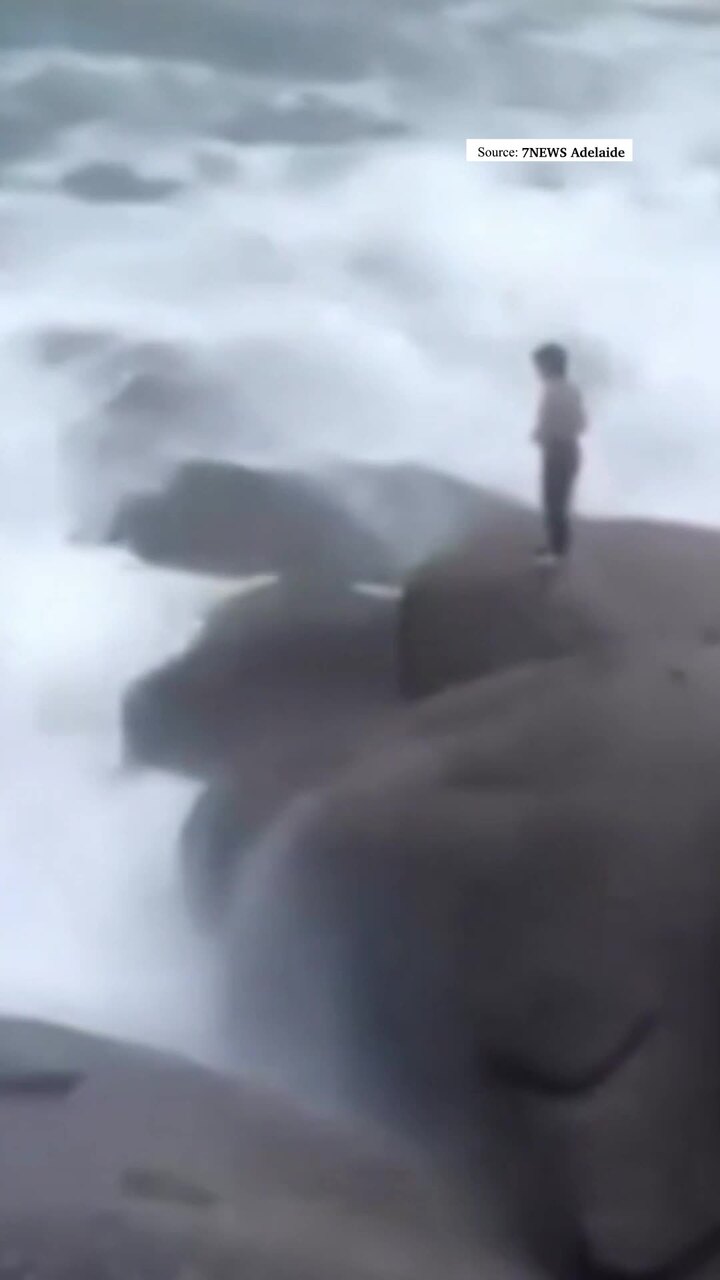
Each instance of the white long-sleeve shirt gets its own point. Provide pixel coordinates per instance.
(561, 415)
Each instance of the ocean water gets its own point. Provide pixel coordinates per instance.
(247, 230)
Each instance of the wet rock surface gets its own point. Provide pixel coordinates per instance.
(160, 1170)
(517, 890)
(485, 606)
(280, 671)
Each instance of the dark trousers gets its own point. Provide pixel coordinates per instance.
(561, 463)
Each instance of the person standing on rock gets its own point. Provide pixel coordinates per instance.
(560, 423)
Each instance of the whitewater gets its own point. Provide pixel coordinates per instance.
(227, 231)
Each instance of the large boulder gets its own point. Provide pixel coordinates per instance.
(278, 687)
(484, 606)
(276, 696)
(237, 521)
(119, 1163)
(354, 523)
(517, 890)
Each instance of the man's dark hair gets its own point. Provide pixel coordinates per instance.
(551, 359)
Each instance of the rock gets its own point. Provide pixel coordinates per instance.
(278, 687)
(275, 697)
(352, 523)
(146, 1166)
(516, 890)
(485, 606)
(235, 521)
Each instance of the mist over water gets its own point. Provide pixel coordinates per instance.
(230, 230)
